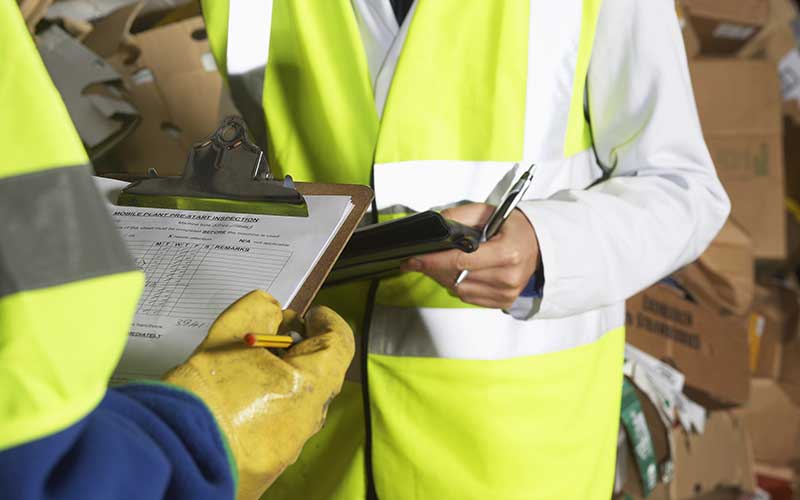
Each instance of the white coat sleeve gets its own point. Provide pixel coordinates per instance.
(664, 202)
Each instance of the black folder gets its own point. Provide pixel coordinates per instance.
(378, 251)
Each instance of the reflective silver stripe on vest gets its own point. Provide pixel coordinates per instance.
(55, 229)
(249, 28)
(422, 185)
(477, 333)
(485, 334)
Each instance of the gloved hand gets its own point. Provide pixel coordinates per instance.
(267, 406)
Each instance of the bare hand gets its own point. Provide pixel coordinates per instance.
(498, 270)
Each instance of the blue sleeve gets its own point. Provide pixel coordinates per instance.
(144, 441)
(535, 287)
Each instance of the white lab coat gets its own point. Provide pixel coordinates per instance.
(664, 202)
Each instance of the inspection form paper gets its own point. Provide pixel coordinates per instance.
(197, 263)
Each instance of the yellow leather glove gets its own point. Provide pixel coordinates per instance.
(267, 406)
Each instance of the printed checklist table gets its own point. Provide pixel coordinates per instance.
(198, 280)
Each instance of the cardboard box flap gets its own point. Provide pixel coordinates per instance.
(777, 37)
(74, 69)
(113, 31)
(33, 11)
(725, 27)
(723, 277)
(774, 321)
(747, 12)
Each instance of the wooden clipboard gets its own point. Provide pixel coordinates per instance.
(361, 197)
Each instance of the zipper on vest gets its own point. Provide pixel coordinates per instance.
(371, 492)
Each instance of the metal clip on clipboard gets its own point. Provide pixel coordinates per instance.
(225, 172)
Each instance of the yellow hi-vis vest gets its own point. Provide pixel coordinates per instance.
(456, 401)
(68, 287)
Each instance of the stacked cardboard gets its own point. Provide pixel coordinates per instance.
(691, 464)
(728, 323)
(174, 82)
(166, 87)
(707, 347)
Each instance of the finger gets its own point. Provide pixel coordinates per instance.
(487, 303)
(491, 254)
(256, 312)
(441, 268)
(432, 261)
(502, 278)
(471, 214)
(485, 296)
(329, 348)
(292, 322)
(320, 320)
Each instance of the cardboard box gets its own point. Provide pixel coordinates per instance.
(739, 104)
(720, 457)
(708, 348)
(790, 369)
(723, 278)
(723, 27)
(781, 483)
(774, 322)
(773, 421)
(777, 42)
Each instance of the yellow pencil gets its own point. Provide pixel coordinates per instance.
(263, 340)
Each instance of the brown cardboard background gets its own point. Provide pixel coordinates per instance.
(723, 277)
(773, 421)
(739, 104)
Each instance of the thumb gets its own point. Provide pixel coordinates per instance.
(329, 348)
(471, 214)
(292, 322)
(256, 312)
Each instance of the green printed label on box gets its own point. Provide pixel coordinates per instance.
(639, 435)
